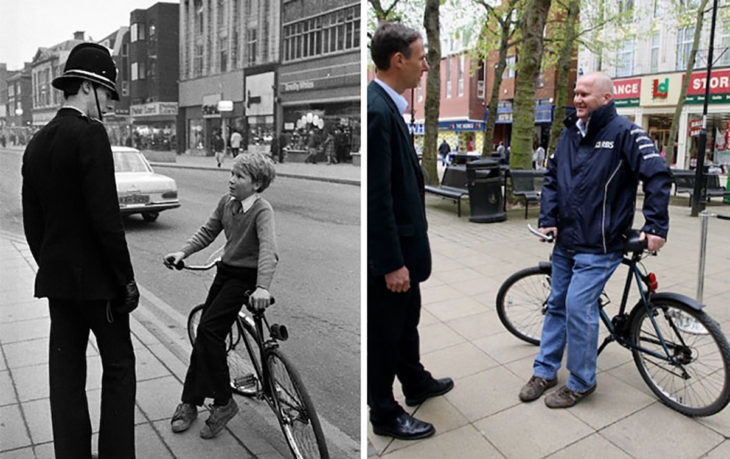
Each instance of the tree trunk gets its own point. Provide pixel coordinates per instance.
(529, 59)
(433, 90)
(671, 156)
(494, 97)
(565, 57)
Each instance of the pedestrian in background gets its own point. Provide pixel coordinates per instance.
(588, 202)
(74, 230)
(235, 143)
(399, 256)
(444, 150)
(248, 264)
(218, 147)
(538, 158)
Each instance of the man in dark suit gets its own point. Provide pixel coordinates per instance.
(399, 256)
(74, 230)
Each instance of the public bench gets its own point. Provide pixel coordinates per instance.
(453, 185)
(684, 182)
(527, 183)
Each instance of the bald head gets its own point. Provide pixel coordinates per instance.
(592, 90)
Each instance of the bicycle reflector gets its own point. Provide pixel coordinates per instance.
(652, 282)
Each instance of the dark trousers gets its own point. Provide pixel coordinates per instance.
(70, 324)
(393, 347)
(208, 374)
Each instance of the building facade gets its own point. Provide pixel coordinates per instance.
(648, 70)
(319, 77)
(153, 74)
(19, 106)
(119, 124)
(229, 53)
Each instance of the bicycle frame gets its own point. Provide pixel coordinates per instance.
(646, 294)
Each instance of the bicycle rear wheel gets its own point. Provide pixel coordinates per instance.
(522, 302)
(695, 379)
(295, 411)
(244, 364)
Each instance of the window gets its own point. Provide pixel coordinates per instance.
(723, 51)
(655, 49)
(135, 68)
(133, 32)
(152, 32)
(331, 32)
(447, 63)
(541, 79)
(625, 58)
(251, 46)
(685, 37)
(658, 9)
(125, 88)
(153, 68)
(509, 70)
(420, 92)
(460, 76)
(138, 71)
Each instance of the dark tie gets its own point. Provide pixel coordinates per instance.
(236, 206)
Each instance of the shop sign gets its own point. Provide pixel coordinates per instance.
(210, 106)
(295, 86)
(461, 126)
(225, 105)
(719, 87)
(695, 126)
(259, 97)
(154, 109)
(626, 93)
(660, 89)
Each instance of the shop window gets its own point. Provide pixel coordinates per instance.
(196, 140)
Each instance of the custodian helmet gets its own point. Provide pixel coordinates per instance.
(92, 62)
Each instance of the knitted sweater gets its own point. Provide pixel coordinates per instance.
(250, 238)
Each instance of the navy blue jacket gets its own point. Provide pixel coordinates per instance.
(590, 187)
(397, 227)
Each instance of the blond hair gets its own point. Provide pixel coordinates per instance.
(257, 166)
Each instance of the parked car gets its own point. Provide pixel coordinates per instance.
(140, 190)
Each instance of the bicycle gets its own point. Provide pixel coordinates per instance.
(678, 349)
(260, 370)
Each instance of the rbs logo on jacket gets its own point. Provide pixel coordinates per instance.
(604, 144)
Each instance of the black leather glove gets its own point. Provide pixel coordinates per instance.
(128, 299)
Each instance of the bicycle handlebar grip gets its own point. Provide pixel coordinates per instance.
(633, 244)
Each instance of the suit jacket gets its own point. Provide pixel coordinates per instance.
(397, 228)
(71, 211)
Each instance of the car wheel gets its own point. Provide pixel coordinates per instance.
(150, 216)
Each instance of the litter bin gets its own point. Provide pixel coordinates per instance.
(484, 182)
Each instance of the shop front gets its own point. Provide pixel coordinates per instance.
(463, 136)
(154, 126)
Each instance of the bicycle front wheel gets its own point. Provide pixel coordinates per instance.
(522, 302)
(692, 375)
(295, 411)
(244, 361)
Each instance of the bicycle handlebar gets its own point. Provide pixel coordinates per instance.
(549, 237)
(633, 244)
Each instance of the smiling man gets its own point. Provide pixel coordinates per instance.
(588, 202)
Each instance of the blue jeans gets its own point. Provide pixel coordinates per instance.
(572, 316)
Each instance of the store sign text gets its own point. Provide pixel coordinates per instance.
(298, 85)
(626, 93)
(660, 90)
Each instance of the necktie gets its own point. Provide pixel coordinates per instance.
(236, 207)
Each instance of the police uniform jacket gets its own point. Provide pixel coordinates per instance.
(71, 211)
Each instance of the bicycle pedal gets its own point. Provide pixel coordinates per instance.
(247, 384)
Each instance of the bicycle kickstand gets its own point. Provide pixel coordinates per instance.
(605, 342)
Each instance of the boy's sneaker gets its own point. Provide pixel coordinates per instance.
(185, 414)
(219, 417)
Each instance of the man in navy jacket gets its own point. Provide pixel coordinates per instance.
(399, 256)
(588, 203)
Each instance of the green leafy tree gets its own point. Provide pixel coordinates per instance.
(529, 60)
(433, 89)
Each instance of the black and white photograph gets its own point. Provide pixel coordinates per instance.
(180, 228)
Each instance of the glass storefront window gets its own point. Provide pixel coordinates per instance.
(195, 134)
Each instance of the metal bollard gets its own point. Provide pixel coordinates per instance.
(704, 216)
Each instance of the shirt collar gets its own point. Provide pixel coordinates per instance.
(247, 203)
(71, 107)
(582, 127)
(400, 102)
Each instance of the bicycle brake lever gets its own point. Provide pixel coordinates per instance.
(549, 237)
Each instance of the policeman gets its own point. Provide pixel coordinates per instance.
(74, 230)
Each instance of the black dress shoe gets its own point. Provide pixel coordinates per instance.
(434, 388)
(405, 427)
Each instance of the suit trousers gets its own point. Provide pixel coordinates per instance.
(208, 374)
(71, 322)
(393, 347)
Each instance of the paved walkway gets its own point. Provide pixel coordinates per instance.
(25, 424)
(461, 337)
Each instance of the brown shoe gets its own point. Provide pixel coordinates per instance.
(535, 387)
(565, 398)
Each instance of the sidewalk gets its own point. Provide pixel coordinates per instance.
(337, 173)
(25, 423)
(462, 337)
